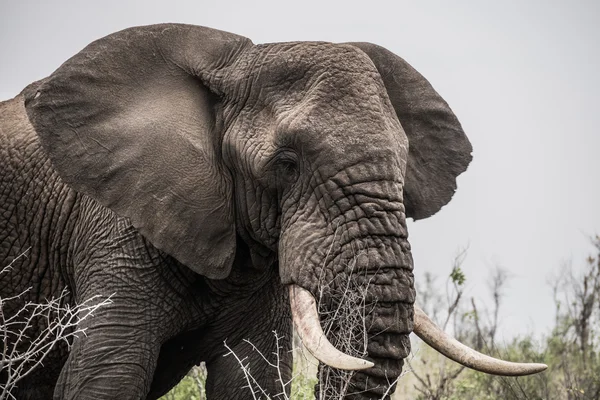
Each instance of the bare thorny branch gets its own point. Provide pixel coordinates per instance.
(30, 333)
(252, 384)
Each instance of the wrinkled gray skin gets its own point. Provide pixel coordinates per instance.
(195, 175)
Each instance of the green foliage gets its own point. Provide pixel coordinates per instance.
(458, 276)
(303, 387)
(567, 377)
(191, 387)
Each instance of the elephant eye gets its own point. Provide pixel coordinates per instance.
(285, 166)
(288, 170)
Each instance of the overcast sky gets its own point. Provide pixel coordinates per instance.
(523, 77)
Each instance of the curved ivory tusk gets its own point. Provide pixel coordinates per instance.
(431, 334)
(306, 320)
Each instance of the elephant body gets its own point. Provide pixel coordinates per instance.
(192, 176)
(181, 321)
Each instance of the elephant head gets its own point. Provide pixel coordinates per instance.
(311, 155)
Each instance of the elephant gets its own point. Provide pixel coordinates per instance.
(216, 189)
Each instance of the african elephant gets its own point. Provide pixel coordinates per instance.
(213, 186)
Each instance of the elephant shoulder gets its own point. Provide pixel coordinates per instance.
(22, 158)
(16, 132)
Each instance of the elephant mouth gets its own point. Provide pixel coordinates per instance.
(307, 322)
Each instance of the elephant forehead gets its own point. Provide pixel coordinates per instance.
(296, 59)
(322, 88)
(282, 74)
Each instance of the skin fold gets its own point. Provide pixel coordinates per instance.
(193, 176)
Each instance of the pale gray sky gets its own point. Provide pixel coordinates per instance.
(522, 76)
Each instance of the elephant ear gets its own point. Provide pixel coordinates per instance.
(128, 122)
(439, 150)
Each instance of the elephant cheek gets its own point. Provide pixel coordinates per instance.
(301, 252)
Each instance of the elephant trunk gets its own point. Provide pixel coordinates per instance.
(352, 255)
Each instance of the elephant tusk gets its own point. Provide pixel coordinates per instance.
(308, 325)
(431, 334)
